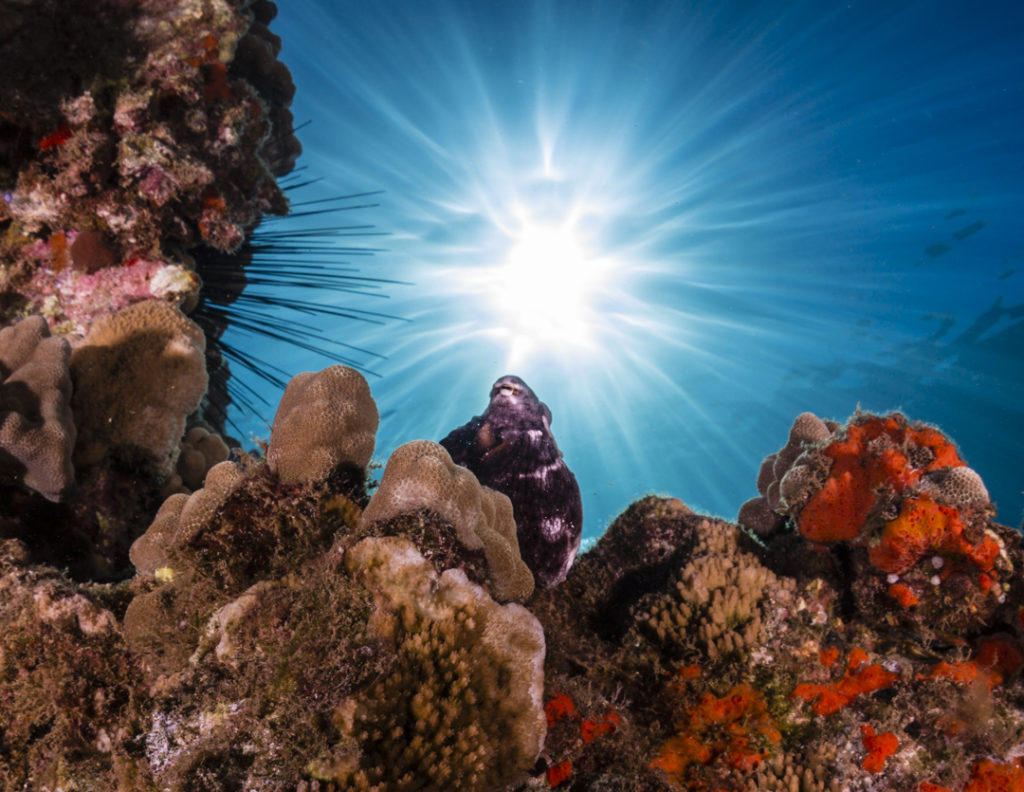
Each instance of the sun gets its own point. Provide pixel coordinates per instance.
(544, 289)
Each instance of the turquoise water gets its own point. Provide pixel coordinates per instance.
(681, 223)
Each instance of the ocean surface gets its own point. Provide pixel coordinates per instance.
(682, 223)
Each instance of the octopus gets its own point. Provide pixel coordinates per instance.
(510, 448)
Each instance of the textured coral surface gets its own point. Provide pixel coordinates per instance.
(274, 637)
(187, 617)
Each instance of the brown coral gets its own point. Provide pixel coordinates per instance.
(37, 432)
(138, 375)
(780, 480)
(181, 517)
(324, 420)
(421, 474)
(200, 450)
(461, 707)
(720, 602)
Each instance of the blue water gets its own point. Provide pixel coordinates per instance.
(772, 207)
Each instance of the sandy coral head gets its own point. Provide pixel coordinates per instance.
(37, 432)
(325, 419)
(422, 475)
(138, 375)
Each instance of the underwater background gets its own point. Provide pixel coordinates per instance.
(686, 226)
(682, 223)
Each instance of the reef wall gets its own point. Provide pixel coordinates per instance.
(176, 614)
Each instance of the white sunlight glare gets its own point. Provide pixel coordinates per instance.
(543, 290)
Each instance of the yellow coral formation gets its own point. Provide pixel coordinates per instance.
(461, 707)
(421, 474)
(719, 600)
(324, 419)
(789, 772)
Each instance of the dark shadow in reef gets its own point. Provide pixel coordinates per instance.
(78, 41)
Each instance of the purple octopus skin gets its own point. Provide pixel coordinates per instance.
(510, 448)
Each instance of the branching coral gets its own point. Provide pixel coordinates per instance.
(461, 707)
(37, 432)
(806, 771)
(719, 604)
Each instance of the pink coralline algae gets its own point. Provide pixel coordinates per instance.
(145, 139)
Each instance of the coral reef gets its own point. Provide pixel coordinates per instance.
(462, 705)
(303, 635)
(912, 520)
(161, 126)
(270, 625)
(67, 682)
(265, 612)
(717, 603)
(199, 451)
(157, 130)
(723, 671)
